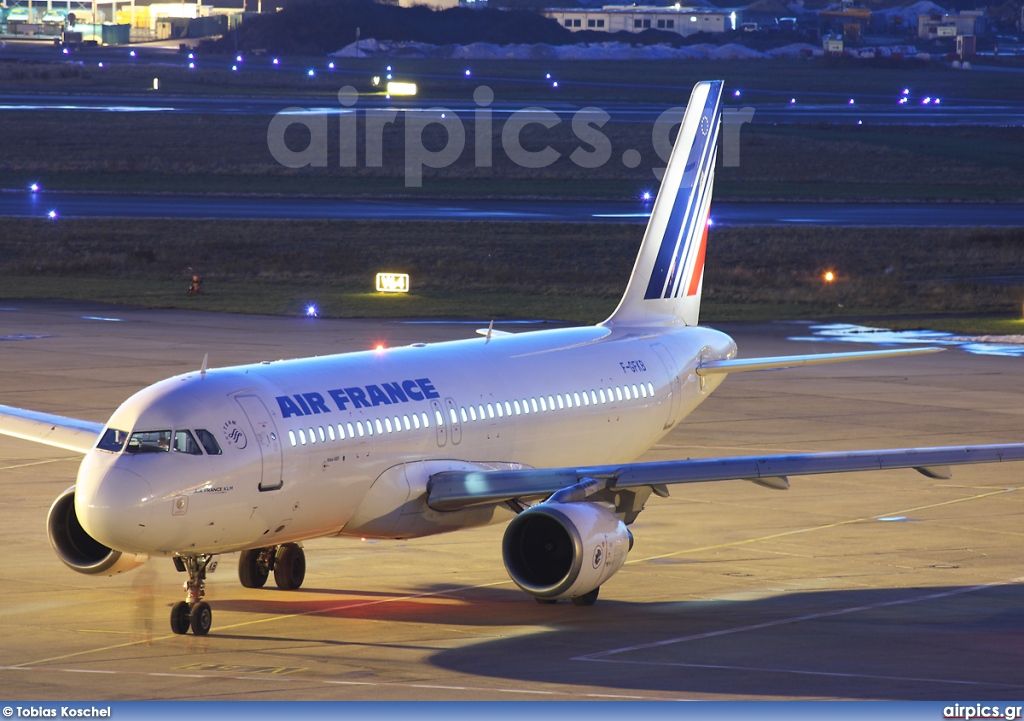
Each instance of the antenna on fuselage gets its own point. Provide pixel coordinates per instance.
(202, 371)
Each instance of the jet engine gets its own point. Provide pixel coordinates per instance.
(77, 549)
(565, 550)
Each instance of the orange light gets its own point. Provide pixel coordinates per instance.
(829, 276)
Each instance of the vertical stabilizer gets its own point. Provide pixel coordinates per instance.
(668, 275)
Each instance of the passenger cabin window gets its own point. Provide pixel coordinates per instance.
(185, 443)
(210, 444)
(149, 442)
(112, 440)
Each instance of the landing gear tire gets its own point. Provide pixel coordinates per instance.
(180, 618)
(289, 566)
(545, 601)
(193, 612)
(253, 569)
(200, 618)
(587, 599)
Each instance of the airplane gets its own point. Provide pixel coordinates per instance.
(537, 429)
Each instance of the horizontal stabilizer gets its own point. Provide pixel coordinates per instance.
(738, 365)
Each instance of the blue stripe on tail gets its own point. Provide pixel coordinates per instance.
(680, 241)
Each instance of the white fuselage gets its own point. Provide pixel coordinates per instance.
(310, 446)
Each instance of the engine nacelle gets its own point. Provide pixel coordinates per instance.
(563, 550)
(77, 549)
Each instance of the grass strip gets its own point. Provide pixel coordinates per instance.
(559, 271)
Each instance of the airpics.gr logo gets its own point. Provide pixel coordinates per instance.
(234, 436)
(363, 140)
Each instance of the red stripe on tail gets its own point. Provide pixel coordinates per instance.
(698, 268)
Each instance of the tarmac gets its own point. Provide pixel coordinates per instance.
(885, 586)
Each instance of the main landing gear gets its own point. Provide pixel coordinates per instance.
(287, 561)
(193, 612)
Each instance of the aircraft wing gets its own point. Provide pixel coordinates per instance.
(68, 433)
(737, 365)
(454, 490)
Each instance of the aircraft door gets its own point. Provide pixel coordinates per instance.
(440, 422)
(453, 416)
(674, 384)
(266, 439)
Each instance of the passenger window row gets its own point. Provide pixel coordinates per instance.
(467, 414)
(360, 429)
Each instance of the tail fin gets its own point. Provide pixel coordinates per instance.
(668, 275)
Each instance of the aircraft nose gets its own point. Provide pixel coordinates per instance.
(115, 509)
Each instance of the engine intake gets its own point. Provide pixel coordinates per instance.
(564, 550)
(77, 549)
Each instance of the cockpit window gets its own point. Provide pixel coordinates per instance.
(112, 440)
(149, 442)
(185, 443)
(208, 441)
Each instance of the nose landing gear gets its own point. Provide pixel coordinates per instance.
(193, 612)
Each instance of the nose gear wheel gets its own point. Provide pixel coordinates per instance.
(193, 612)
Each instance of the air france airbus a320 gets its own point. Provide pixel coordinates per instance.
(541, 428)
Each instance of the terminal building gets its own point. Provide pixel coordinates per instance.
(116, 22)
(967, 22)
(637, 18)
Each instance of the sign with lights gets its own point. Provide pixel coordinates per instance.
(392, 282)
(397, 88)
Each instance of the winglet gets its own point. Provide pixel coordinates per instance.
(668, 276)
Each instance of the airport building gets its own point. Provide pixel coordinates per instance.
(637, 18)
(116, 22)
(968, 22)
